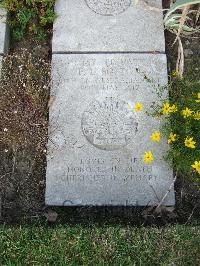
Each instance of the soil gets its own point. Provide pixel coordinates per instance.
(22, 168)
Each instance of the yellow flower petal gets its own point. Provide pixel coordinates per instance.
(173, 108)
(198, 96)
(138, 107)
(187, 112)
(190, 143)
(166, 108)
(175, 74)
(155, 136)
(172, 138)
(148, 157)
(196, 166)
(197, 115)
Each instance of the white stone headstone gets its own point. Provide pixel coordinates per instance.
(108, 25)
(3, 32)
(103, 64)
(97, 140)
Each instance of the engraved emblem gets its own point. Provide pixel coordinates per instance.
(108, 7)
(109, 124)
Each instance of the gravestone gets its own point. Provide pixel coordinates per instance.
(108, 25)
(3, 36)
(96, 138)
(3, 32)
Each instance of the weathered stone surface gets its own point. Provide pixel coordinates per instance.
(3, 32)
(108, 25)
(96, 140)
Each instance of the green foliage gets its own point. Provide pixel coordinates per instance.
(180, 4)
(172, 22)
(173, 17)
(99, 245)
(33, 16)
(184, 94)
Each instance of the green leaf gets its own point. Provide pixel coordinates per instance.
(179, 4)
(173, 23)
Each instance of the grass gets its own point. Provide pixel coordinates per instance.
(105, 245)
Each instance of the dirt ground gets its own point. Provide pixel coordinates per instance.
(22, 167)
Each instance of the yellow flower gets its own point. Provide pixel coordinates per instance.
(148, 157)
(198, 96)
(138, 107)
(196, 166)
(169, 109)
(173, 109)
(172, 138)
(187, 112)
(197, 115)
(190, 143)
(155, 136)
(175, 74)
(166, 108)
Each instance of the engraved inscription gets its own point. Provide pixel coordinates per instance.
(109, 124)
(101, 169)
(108, 7)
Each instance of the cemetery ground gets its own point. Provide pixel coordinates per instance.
(80, 236)
(32, 234)
(23, 147)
